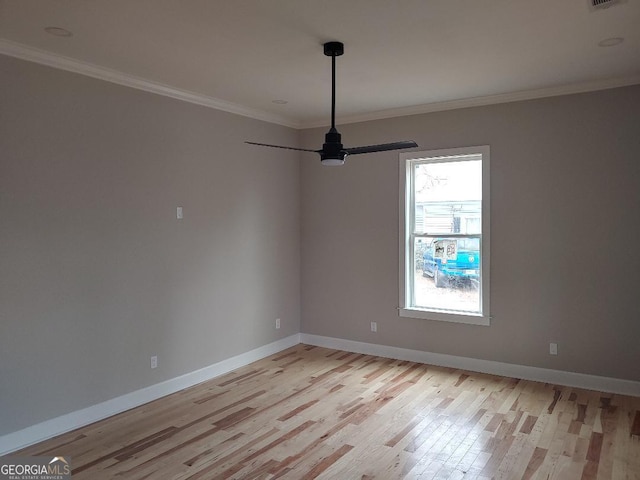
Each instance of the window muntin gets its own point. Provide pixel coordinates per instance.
(444, 235)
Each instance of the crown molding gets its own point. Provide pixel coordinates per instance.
(62, 62)
(584, 87)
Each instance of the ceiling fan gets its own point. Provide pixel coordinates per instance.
(333, 152)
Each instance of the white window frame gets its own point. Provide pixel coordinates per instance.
(406, 239)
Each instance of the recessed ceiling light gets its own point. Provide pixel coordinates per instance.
(610, 42)
(58, 32)
(279, 102)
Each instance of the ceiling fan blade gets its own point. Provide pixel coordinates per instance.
(381, 148)
(286, 148)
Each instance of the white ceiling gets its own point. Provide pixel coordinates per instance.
(402, 56)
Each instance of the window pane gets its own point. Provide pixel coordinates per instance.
(448, 197)
(447, 274)
(445, 236)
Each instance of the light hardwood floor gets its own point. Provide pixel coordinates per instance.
(311, 412)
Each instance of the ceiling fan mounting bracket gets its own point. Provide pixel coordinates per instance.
(333, 49)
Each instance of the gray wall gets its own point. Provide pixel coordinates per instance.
(565, 204)
(96, 273)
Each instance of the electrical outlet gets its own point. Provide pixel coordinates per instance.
(154, 362)
(553, 349)
(374, 326)
(179, 213)
(277, 323)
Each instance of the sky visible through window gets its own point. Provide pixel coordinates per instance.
(449, 181)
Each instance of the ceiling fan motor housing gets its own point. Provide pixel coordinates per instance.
(332, 150)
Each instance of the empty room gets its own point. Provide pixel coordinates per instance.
(334, 239)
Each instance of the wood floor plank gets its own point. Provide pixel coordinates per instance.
(311, 412)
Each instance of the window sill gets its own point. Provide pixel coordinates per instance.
(463, 317)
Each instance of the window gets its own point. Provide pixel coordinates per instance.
(444, 235)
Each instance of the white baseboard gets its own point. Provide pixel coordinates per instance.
(65, 423)
(557, 377)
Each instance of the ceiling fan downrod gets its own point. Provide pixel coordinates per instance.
(333, 153)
